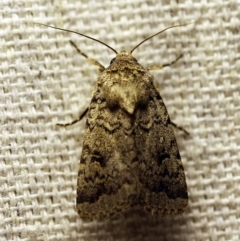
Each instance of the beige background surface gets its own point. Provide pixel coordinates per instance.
(43, 81)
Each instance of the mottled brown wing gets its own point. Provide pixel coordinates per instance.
(161, 173)
(129, 160)
(108, 181)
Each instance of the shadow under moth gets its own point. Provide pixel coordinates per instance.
(130, 157)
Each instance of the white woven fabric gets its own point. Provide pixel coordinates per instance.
(44, 81)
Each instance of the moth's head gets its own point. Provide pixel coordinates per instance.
(122, 56)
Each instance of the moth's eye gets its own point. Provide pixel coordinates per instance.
(112, 61)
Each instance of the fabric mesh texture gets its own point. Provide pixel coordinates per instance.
(44, 81)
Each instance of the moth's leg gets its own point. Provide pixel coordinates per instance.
(155, 67)
(90, 60)
(180, 128)
(75, 121)
(101, 69)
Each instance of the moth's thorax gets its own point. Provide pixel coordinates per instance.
(125, 83)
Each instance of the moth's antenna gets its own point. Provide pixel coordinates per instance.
(70, 31)
(174, 26)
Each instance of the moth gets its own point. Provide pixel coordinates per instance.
(130, 158)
